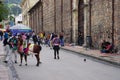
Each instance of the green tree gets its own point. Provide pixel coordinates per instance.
(4, 11)
(15, 10)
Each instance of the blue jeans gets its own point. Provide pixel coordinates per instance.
(62, 42)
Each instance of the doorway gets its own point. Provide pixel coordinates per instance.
(81, 22)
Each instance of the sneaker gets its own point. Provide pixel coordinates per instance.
(5, 61)
(20, 65)
(26, 64)
(16, 62)
(58, 57)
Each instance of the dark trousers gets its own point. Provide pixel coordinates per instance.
(1, 37)
(27, 41)
(56, 51)
(5, 41)
(35, 42)
(38, 42)
(21, 57)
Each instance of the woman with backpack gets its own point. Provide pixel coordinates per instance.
(56, 46)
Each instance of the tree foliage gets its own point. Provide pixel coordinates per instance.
(12, 1)
(4, 11)
(9, 7)
(14, 9)
(14, 6)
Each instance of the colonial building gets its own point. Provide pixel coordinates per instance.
(52, 16)
(97, 20)
(26, 5)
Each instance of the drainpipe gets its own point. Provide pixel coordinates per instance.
(42, 15)
(113, 21)
(55, 16)
(90, 17)
(71, 21)
(61, 15)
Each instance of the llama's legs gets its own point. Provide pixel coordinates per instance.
(38, 59)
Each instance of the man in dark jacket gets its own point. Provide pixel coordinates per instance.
(35, 40)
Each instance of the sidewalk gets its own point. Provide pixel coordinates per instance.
(4, 71)
(113, 58)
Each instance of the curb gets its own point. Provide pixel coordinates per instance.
(98, 58)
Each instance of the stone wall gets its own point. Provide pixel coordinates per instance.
(57, 17)
(101, 21)
(48, 15)
(39, 18)
(117, 23)
(67, 19)
(105, 22)
(52, 16)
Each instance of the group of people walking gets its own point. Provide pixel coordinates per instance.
(15, 43)
(11, 43)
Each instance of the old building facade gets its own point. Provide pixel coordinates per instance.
(52, 16)
(104, 21)
(94, 18)
(26, 5)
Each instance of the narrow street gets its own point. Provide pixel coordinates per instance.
(87, 30)
(71, 66)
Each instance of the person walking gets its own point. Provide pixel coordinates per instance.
(20, 50)
(13, 42)
(35, 39)
(8, 51)
(39, 40)
(6, 36)
(28, 37)
(56, 44)
(51, 40)
(61, 36)
(1, 35)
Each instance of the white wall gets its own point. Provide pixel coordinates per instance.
(18, 18)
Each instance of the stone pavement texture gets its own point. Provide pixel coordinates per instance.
(113, 58)
(4, 70)
(4, 73)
